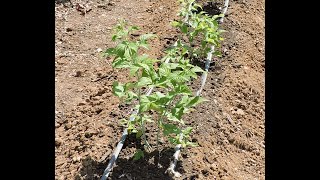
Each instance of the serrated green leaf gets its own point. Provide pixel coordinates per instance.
(144, 81)
(144, 104)
(171, 65)
(170, 129)
(117, 89)
(164, 72)
(183, 101)
(131, 95)
(145, 37)
(144, 66)
(183, 89)
(120, 49)
(172, 117)
(120, 63)
(138, 155)
(133, 69)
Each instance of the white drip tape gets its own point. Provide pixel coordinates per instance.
(173, 164)
(170, 170)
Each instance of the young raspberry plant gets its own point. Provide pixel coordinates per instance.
(172, 99)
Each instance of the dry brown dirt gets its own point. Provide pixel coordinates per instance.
(229, 127)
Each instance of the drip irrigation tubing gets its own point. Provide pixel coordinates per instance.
(178, 147)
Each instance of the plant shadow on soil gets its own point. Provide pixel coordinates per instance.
(126, 168)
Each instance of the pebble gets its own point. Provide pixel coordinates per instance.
(58, 141)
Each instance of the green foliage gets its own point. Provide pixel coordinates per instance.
(173, 98)
(199, 25)
(138, 155)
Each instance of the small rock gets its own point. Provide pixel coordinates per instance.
(88, 134)
(67, 126)
(62, 177)
(58, 141)
(99, 50)
(78, 114)
(68, 29)
(78, 74)
(237, 65)
(238, 111)
(76, 158)
(81, 104)
(96, 98)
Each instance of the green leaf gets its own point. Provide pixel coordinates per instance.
(120, 63)
(133, 28)
(197, 69)
(117, 89)
(187, 131)
(144, 66)
(164, 71)
(109, 52)
(156, 107)
(192, 144)
(170, 129)
(171, 65)
(144, 81)
(131, 95)
(133, 69)
(175, 23)
(177, 112)
(139, 134)
(145, 37)
(139, 154)
(183, 89)
(114, 37)
(120, 49)
(184, 28)
(172, 117)
(133, 48)
(184, 100)
(144, 104)
(173, 140)
(195, 100)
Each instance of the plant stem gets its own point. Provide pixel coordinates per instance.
(139, 113)
(160, 120)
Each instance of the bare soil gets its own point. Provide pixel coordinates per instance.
(229, 128)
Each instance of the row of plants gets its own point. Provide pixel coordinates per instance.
(169, 76)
